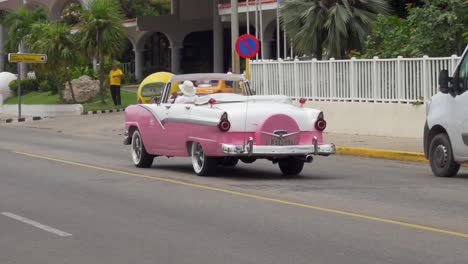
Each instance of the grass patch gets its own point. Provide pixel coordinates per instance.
(45, 98)
(128, 98)
(39, 98)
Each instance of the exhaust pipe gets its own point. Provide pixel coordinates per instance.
(306, 158)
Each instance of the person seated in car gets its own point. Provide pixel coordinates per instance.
(173, 97)
(189, 93)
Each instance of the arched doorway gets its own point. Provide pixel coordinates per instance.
(156, 54)
(197, 55)
(127, 58)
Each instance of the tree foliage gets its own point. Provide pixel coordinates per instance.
(439, 28)
(102, 33)
(330, 26)
(55, 40)
(133, 9)
(20, 25)
(72, 13)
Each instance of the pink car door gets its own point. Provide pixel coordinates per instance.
(177, 126)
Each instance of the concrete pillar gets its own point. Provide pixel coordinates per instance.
(175, 7)
(2, 54)
(138, 64)
(175, 57)
(234, 36)
(218, 56)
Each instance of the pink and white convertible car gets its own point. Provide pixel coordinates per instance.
(221, 128)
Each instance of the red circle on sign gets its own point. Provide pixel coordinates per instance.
(247, 46)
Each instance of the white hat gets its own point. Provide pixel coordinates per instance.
(187, 88)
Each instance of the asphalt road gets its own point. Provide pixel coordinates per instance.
(77, 199)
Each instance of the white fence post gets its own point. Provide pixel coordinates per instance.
(454, 63)
(399, 79)
(425, 79)
(374, 78)
(352, 79)
(331, 78)
(314, 78)
(296, 79)
(280, 74)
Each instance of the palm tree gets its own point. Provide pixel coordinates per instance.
(102, 33)
(331, 25)
(57, 41)
(19, 26)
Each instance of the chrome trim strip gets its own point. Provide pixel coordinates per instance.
(190, 121)
(280, 136)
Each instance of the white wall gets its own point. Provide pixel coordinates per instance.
(375, 119)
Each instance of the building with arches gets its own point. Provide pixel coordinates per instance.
(194, 37)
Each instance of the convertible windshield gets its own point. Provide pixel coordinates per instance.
(193, 86)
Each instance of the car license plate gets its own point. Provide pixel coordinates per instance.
(280, 142)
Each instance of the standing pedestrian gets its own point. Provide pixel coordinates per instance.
(115, 79)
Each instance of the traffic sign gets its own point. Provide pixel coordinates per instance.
(27, 57)
(247, 46)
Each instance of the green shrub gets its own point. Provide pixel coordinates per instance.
(129, 78)
(27, 85)
(77, 72)
(45, 86)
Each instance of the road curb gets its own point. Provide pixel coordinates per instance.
(20, 120)
(381, 153)
(97, 112)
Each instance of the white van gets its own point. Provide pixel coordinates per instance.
(446, 130)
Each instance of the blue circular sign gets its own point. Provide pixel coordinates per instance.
(247, 46)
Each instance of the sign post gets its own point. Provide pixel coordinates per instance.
(24, 58)
(247, 46)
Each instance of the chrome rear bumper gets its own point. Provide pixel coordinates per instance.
(266, 150)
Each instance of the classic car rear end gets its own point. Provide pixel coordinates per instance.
(223, 128)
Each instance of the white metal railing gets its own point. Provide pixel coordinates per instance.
(400, 79)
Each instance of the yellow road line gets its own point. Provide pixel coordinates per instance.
(256, 197)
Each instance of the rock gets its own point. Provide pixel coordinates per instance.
(84, 87)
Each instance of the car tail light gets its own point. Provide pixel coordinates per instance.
(224, 124)
(321, 124)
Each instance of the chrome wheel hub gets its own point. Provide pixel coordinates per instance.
(198, 157)
(137, 149)
(441, 156)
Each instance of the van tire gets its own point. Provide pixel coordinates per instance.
(441, 157)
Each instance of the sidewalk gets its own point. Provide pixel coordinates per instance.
(375, 142)
(406, 149)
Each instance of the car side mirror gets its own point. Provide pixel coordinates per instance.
(156, 100)
(444, 80)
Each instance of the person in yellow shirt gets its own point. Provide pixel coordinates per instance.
(115, 79)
